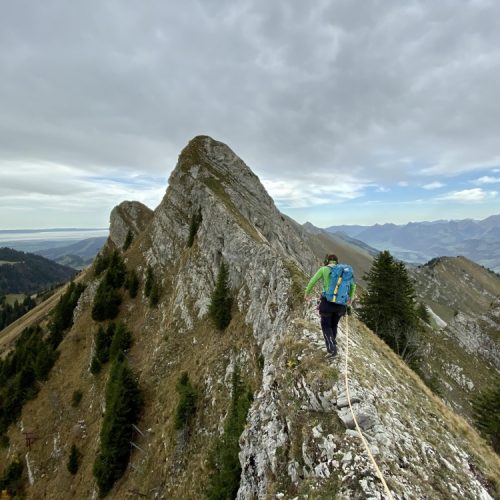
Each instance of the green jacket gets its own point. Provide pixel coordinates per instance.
(323, 273)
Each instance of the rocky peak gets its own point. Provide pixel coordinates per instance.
(234, 205)
(128, 216)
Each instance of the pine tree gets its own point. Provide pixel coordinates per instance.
(388, 308)
(221, 303)
(128, 240)
(224, 463)
(154, 296)
(148, 284)
(107, 301)
(116, 272)
(423, 313)
(123, 406)
(101, 263)
(122, 340)
(193, 227)
(74, 460)
(132, 284)
(186, 407)
(486, 413)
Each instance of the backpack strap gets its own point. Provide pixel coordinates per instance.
(336, 290)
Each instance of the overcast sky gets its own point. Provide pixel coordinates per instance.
(348, 111)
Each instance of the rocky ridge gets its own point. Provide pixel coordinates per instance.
(298, 441)
(462, 349)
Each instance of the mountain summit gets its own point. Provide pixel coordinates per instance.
(252, 411)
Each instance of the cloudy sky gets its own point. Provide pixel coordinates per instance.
(348, 111)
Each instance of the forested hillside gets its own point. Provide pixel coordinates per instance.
(22, 272)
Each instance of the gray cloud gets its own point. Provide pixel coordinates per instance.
(369, 91)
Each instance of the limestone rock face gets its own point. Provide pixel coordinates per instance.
(128, 215)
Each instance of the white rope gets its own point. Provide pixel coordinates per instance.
(367, 447)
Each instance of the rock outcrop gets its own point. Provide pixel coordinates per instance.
(128, 216)
(462, 345)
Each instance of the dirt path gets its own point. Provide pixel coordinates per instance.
(11, 332)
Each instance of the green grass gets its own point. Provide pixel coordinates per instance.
(299, 282)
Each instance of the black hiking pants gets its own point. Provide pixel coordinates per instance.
(330, 317)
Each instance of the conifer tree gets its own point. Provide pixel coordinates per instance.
(154, 296)
(107, 301)
(116, 272)
(486, 413)
(193, 227)
(423, 313)
(128, 240)
(221, 303)
(121, 341)
(388, 308)
(123, 406)
(101, 263)
(132, 284)
(148, 284)
(11, 479)
(224, 463)
(186, 407)
(74, 460)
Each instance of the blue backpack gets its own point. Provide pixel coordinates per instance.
(341, 277)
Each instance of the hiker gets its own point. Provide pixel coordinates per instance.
(336, 297)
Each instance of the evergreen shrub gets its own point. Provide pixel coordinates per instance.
(196, 220)
(123, 406)
(20, 372)
(76, 398)
(224, 463)
(74, 460)
(151, 288)
(186, 408)
(132, 284)
(11, 479)
(128, 240)
(221, 300)
(486, 413)
(62, 314)
(107, 302)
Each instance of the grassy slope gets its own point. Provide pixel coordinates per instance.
(158, 357)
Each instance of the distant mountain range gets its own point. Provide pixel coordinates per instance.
(418, 242)
(77, 255)
(71, 247)
(22, 272)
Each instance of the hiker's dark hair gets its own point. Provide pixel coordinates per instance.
(331, 258)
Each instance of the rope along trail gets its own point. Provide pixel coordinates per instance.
(377, 469)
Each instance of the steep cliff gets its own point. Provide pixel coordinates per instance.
(298, 439)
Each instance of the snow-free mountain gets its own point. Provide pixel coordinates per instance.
(419, 242)
(297, 439)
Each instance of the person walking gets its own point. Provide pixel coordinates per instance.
(338, 292)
